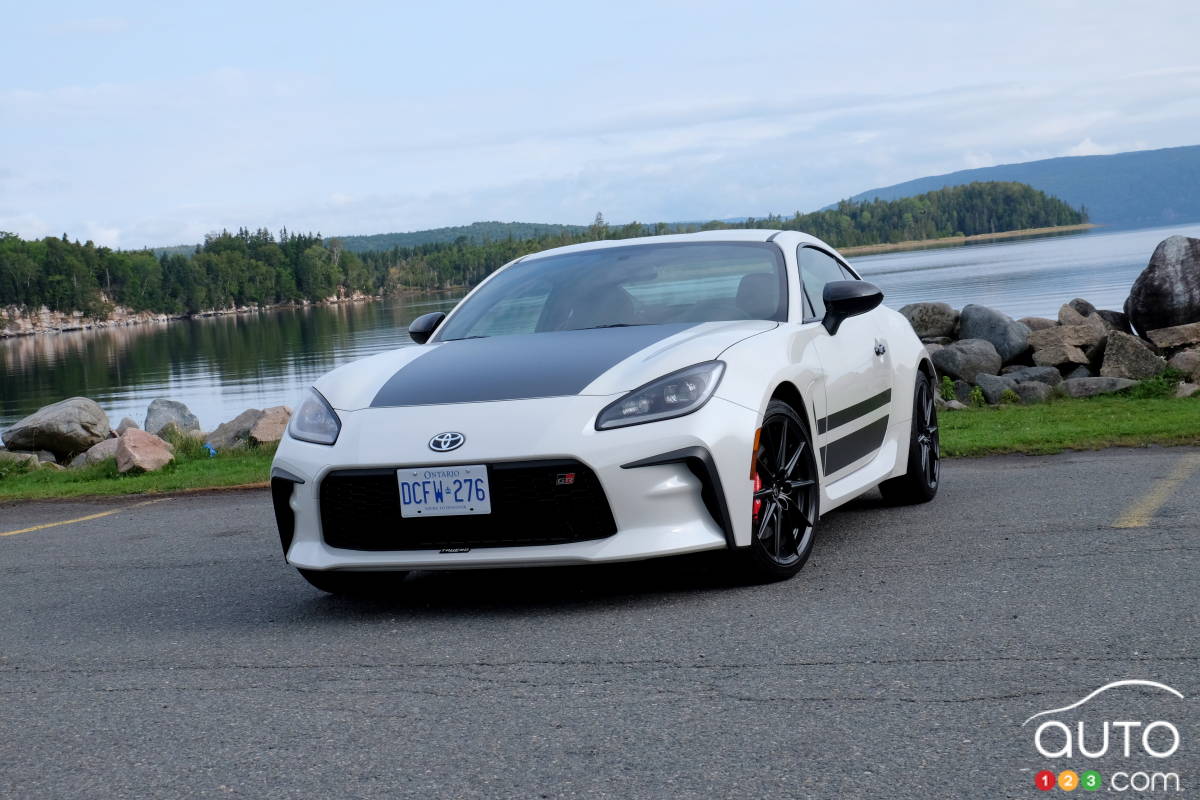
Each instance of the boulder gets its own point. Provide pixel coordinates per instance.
(46, 457)
(235, 432)
(64, 428)
(1077, 372)
(1090, 387)
(1167, 293)
(1071, 335)
(1047, 375)
(942, 340)
(139, 450)
(126, 424)
(1186, 390)
(1082, 306)
(1127, 356)
(932, 348)
(1187, 362)
(1177, 336)
(163, 412)
(931, 319)
(1115, 320)
(271, 425)
(101, 451)
(954, 405)
(1009, 337)
(1037, 323)
(962, 392)
(8, 458)
(967, 358)
(1057, 355)
(1032, 392)
(993, 386)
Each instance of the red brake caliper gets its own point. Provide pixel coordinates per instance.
(757, 489)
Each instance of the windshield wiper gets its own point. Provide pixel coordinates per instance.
(464, 338)
(613, 325)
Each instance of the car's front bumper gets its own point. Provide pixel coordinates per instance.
(693, 502)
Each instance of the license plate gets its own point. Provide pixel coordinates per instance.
(444, 491)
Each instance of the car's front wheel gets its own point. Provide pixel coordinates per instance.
(348, 582)
(786, 496)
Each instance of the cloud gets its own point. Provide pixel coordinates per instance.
(163, 161)
(1089, 148)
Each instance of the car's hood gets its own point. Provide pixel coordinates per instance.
(553, 364)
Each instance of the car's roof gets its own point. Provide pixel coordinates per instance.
(728, 235)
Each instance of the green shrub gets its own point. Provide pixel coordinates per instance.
(1162, 385)
(977, 398)
(947, 388)
(1009, 397)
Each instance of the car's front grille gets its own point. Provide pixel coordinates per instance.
(360, 510)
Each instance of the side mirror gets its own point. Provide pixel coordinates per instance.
(844, 299)
(421, 328)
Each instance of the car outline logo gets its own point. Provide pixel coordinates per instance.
(445, 442)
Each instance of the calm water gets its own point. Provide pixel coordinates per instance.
(221, 366)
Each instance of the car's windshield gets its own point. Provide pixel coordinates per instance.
(645, 284)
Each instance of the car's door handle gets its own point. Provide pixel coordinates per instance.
(880, 347)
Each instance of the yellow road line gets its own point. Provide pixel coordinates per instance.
(84, 519)
(1140, 513)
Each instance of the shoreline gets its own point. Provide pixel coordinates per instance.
(45, 321)
(954, 241)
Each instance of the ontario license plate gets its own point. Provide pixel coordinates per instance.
(444, 491)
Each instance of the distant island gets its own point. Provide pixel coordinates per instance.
(260, 268)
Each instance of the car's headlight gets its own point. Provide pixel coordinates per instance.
(315, 420)
(673, 395)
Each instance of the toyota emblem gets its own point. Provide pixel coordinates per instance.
(445, 442)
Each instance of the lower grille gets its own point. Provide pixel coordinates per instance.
(360, 510)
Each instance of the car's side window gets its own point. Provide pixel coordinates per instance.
(818, 268)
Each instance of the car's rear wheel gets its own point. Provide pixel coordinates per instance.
(348, 582)
(920, 483)
(786, 496)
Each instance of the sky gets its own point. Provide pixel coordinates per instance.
(148, 124)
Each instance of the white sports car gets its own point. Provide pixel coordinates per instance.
(612, 401)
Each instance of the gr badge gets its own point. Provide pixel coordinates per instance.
(564, 479)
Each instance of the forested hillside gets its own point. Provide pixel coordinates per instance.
(475, 233)
(1145, 188)
(261, 268)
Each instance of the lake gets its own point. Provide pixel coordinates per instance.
(221, 366)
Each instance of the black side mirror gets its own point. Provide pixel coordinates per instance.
(845, 299)
(421, 328)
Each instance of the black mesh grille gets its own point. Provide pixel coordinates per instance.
(360, 510)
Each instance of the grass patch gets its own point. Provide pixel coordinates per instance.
(1087, 424)
(191, 469)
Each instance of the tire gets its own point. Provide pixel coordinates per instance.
(920, 483)
(352, 583)
(787, 498)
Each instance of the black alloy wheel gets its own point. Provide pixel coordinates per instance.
(786, 496)
(920, 483)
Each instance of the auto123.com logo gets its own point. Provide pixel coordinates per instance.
(1087, 745)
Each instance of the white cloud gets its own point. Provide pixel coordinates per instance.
(1089, 148)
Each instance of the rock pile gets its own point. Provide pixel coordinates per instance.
(76, 433)
(1086, 351)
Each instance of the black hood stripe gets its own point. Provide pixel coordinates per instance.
(518, 367)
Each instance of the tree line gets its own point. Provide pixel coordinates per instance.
(261, 268)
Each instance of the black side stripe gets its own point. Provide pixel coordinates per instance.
(848, 415)
(845, 451)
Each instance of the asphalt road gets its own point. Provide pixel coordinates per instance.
(167, 651)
